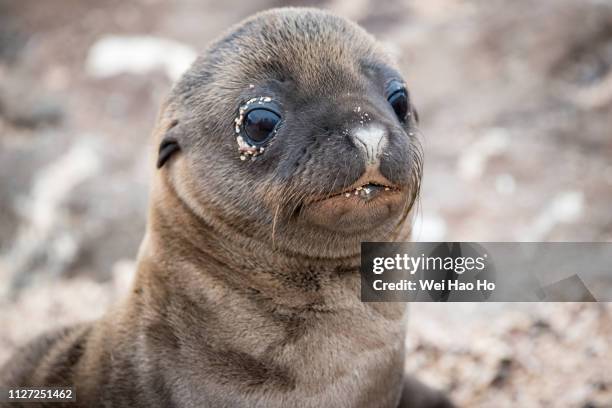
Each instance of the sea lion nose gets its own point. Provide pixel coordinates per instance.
(371, 139)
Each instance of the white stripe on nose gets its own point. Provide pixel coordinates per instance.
(372, 140)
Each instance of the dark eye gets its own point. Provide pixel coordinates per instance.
(399, 103)
(398, 99)
(259, 125)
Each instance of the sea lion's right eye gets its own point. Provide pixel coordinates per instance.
(260, 125)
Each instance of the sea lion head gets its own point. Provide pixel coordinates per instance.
(296, 131)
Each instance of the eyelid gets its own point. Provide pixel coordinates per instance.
(267, 107)
(393, 86)
(264, 102)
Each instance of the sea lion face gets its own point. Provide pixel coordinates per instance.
(296, 130)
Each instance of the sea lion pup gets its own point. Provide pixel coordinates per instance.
(287, 144)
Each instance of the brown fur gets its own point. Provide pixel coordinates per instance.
(238, 301)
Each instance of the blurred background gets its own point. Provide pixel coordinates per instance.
(515, 100)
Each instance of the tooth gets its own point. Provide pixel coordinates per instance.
(387, 189)
(347, 194)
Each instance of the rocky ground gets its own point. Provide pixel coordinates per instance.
(515, 100)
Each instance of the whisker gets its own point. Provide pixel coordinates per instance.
(275, 218)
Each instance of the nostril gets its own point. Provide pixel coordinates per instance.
(371, 140)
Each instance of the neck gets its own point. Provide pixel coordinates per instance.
(184, 251)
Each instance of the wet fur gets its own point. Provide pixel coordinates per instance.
(238, 302)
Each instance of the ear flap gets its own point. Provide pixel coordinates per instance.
(168, 146)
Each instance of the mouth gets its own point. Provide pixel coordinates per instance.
(368, 191)
(365, 205)
(369, 186)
